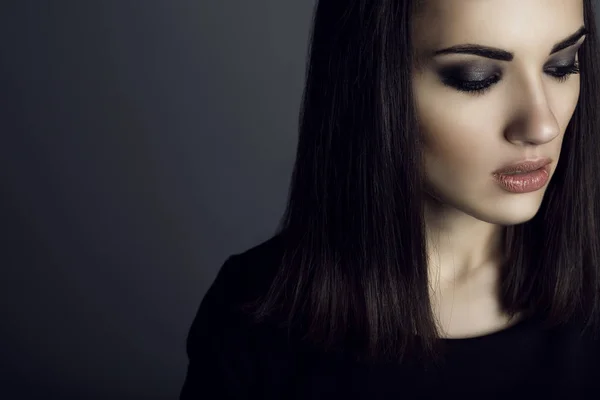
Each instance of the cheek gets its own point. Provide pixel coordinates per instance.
(458, 136)
(564, 101)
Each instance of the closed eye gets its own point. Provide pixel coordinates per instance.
(563, 73)
(454, 78)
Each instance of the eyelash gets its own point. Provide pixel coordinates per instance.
(561, 74)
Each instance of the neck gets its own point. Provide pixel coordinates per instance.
(459, 244)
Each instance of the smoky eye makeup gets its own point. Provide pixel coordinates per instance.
(563, 61)
(478, 77)
(469, 76)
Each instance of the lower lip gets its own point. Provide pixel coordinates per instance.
(525, 182)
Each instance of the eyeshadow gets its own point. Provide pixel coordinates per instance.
(563, 63)
(468, 71)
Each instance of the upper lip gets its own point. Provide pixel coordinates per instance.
(524, 166)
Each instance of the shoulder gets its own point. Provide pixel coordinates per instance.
(223, 347)
(243, 277)
(246, 275)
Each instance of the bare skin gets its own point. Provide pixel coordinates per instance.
(468, 135)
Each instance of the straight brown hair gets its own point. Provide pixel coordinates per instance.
(353, 276)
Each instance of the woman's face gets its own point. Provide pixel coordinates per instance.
(478, 113)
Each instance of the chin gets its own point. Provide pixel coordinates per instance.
(509, 219)
(513, 212)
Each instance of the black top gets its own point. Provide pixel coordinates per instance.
(231, 359)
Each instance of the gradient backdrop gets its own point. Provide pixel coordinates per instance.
(141, 143)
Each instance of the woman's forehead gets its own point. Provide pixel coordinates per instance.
(515, 25)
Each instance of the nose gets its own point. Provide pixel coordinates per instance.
(532, 122)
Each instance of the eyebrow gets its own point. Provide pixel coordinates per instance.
(503, 55)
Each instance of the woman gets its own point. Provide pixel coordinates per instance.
(441, 235)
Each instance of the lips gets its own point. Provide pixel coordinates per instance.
(523, 166)
(517, 172)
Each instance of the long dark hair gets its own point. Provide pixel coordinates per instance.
(354, 275)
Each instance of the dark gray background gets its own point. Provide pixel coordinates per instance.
(142, 142)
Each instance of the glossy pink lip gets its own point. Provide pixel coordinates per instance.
(524, 166)
(524, 182)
